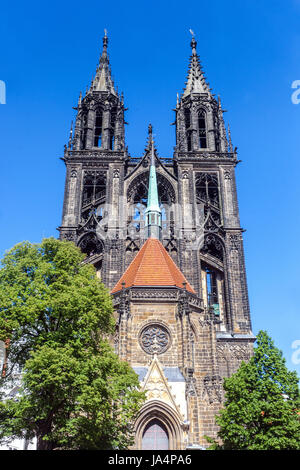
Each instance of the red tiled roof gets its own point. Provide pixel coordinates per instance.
(152, 266)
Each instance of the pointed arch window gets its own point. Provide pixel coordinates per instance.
(207, 189)
(94, 187)
(100, 186)
(88, 190)
(208, 196)
(138, 215)
(202, 129)
(138, 192)
(187, 118)
(98, 129)
(213, 287)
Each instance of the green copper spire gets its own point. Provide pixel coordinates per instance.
(153, 212)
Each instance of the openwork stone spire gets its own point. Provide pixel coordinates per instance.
(103, 80)
(195, 81)
(199, 116)
(100, 113)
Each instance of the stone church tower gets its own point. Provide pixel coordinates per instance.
(164, 236)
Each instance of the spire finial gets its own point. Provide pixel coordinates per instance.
(193, 42)
(105, 40)
(150, 141)
(103, 57)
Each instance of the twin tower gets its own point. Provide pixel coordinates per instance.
(164, 236)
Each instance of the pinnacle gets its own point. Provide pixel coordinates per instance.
(150, 140)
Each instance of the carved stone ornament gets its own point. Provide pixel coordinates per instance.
(191, 389)
(154, 339)
(227, 352)
(212, 389)
(70, 236)
(154, 294)
(234, 242)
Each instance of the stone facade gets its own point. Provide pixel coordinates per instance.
(207, 335)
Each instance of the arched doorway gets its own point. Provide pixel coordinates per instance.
(155, 436)
(158, 412)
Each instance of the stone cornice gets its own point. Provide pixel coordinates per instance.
(93, 154)
(157, 294)
(220, 157)
(235, 337)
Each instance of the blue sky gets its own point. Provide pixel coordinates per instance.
(250, 52)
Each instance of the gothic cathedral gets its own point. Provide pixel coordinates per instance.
(164, 236)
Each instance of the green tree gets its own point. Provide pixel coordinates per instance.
(58, 317)
(261, 410)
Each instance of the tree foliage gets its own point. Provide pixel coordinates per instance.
(75, 391)
(262, 403)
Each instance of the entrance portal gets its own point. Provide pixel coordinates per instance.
(155, 436)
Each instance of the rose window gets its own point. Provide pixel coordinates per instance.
(154, 339)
